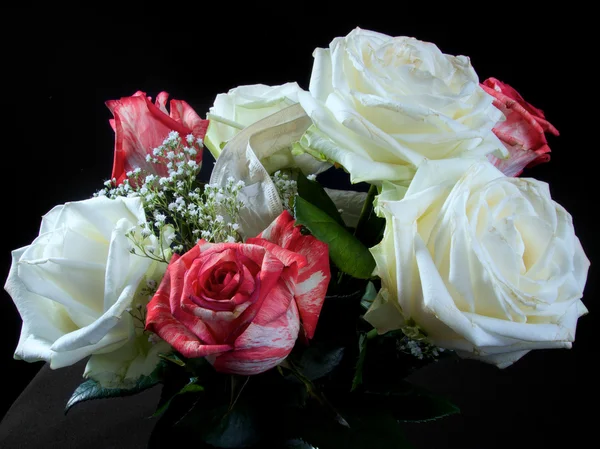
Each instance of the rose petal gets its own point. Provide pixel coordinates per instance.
(263, 346)
(313, 278)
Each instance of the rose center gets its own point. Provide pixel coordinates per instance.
(222, 282)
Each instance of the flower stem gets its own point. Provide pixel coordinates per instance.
(366, 210)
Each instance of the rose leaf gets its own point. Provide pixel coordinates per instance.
(346, 251)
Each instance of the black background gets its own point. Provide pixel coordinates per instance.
(57, 145)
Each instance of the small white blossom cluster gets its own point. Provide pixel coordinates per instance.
(178, 201)
(287, 189)
(217, 212)
(144, 244)
(420, 349)
(176, 155)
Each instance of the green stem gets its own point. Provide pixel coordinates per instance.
(314, 392)
(372, 334)
(366, 210)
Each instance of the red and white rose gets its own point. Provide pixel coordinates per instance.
(523, 131)
(242, 305)
(140, 126)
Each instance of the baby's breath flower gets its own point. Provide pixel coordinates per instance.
(177, 201)
(286, 187)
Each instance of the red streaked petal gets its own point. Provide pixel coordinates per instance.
(183, 332)
(313, 278)
(161, 101)
(183, 113)
(140, 126)
(261, 347)
(522, 131)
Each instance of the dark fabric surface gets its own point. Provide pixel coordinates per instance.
(500, 409)
(37, 419)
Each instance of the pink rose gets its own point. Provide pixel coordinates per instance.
(241, 305)
(522, 132)
(141, 126)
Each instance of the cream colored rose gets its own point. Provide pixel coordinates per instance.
(381, 105)
(243, 106)
(77, 287)
(484, 264)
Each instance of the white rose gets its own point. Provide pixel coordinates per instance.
(75, 287)
(484, 264)
(243, 106)
(381, 105)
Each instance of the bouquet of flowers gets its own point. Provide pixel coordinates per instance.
(276, 312)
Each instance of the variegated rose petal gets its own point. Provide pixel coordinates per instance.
(313, 278)
(522, 132)
(140, 126)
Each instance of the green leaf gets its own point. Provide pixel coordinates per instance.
(191, 387)
(217, 424)
(173, 358)
(411, 403)
(317, 361)
(233, 428)
(297, 444)
(90, 389)
(368, 428)
(362, 353)
(312, 192)
(346, 251)
(425, 407)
